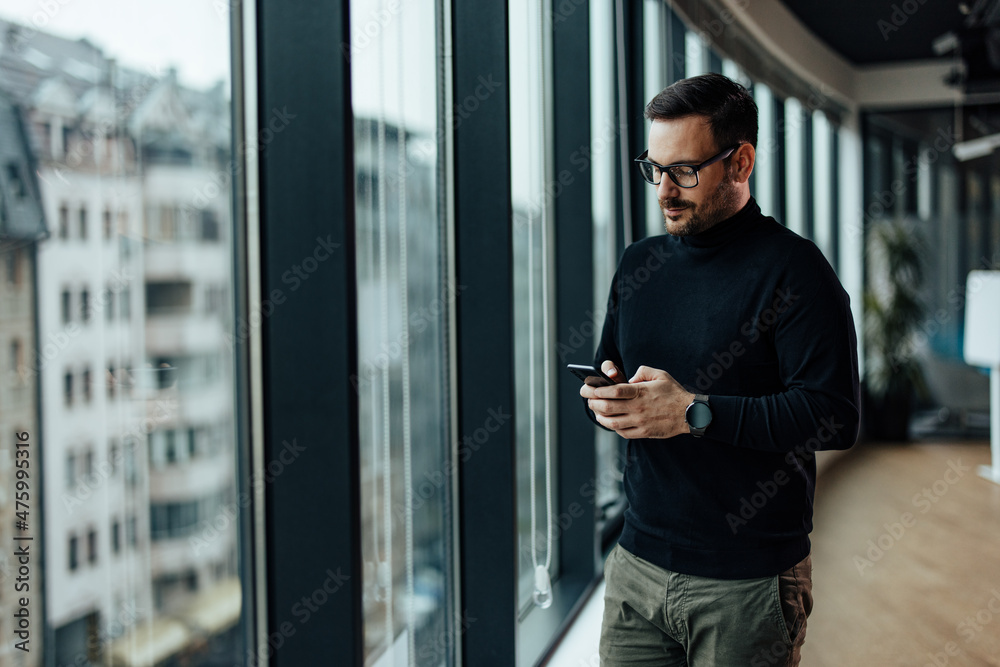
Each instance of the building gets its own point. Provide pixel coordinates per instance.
(22, 228)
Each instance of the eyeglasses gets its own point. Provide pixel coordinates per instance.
(684, 175)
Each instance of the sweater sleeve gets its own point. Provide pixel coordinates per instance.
(816, 345)
(607, 347)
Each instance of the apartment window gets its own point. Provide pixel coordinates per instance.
(108, 300)
(191, 434)
(70, 470)
(107, 224)
(67, 306)
(88, 463)
(191, 580)
(83, 223)
(209, 225)
(85, 305)
(132, 532)
(170, 437)
(114, 457)
(116, 536)
(92, 546)
(87, 382)
(173, 520)
(68, 388)
(63, 221)
(111, 381)
(16, 360)
(73, 553)
(15, 180)
(131, 469)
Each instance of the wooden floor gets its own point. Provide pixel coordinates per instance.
(906, 559)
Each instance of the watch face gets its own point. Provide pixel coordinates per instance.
(699, 415)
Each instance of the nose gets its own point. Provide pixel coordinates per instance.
(666, 188)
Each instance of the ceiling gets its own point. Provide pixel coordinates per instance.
(894, 31)
(867, 32)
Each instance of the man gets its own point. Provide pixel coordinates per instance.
(736, 360)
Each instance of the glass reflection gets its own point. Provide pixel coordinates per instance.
(404, 297)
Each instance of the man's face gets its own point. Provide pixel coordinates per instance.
(687, 211)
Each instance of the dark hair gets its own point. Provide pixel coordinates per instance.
(729, 107)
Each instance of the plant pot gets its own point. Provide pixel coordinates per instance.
(887, 417)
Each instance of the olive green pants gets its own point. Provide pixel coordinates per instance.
(657, 617)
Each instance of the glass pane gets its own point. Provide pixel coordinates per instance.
(404, 297)
(533, 308)
(126, 127)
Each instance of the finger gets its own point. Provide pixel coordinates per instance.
(606, 408)
(608, 368)
(622, 391)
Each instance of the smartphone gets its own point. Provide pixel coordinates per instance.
(590, 375)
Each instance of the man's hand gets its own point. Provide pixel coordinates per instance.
(650, 405)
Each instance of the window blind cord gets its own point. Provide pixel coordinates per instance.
(542, 596)
(404, 283)
(384, 575)
(622, 122)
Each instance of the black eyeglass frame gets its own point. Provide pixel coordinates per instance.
(667, 168)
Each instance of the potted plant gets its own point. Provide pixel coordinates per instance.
(893, 311)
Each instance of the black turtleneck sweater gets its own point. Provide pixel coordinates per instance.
(753, 315)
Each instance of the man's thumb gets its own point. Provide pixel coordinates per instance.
(646, 373)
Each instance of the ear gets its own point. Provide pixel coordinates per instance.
(743, 161)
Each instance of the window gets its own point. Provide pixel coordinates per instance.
(92, 546)
(406, 469)
(68, 388)
(132, 532)
(15, 181)
(533, 309)
(88, 463)
(108, 302)
(70, 470)
(63, 221)
(85, 305)
(87, 383)
(83, 223)
(16, 359)
(171, 445)
(168, 298)
(67, 306)
(209, 225)
(111, 172)
(114, 459)
(74, 556)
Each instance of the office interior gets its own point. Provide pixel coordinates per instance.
(288, 290)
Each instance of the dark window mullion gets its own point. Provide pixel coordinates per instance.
(310, 408)
(484, 337)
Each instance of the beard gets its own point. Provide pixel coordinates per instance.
(722, 204)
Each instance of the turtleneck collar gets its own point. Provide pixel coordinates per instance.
(725, 231)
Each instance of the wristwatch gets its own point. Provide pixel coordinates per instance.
(698, 415)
